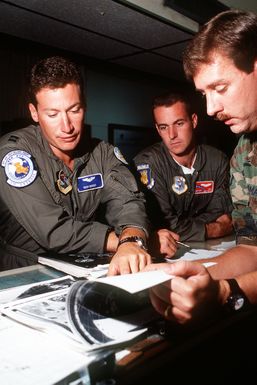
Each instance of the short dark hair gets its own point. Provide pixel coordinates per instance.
(170, 98)
(233, 33)
(54, 72)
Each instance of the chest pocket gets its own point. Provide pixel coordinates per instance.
(88, 190)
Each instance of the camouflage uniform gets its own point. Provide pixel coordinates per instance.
(244, 189)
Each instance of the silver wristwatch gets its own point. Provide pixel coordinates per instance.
(139, 240)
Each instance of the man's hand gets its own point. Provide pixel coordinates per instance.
(163, 243)
(221, 227)
(129, 258)
(190, 296)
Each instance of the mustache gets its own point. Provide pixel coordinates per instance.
(222, 117)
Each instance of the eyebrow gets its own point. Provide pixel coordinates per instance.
(79, 104)
(175, 121)
(213, 84)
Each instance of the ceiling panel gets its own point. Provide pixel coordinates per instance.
(151, 63)
(106, 17)
(62, 35)
(108, 30)
(173, 51)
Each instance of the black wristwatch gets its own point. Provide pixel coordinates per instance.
(140, 241)
(237, 300)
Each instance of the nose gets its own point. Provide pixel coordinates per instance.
(172, 131)
(212, 104)
(66, 125)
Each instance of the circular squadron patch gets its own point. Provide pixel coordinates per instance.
(19, 168)
(119, 155)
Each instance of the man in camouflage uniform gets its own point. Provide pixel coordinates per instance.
(244, 189)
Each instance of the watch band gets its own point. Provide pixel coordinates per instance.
(139, 240)
(237, 300)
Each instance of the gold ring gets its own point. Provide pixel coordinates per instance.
(167, 311)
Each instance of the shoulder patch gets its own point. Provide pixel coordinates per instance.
(19, 168)
(145, 175)
(119, 155)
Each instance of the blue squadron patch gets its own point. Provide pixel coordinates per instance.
(119, 155)
(179, 186)
(19, 168)
(145, 175)
(90, 182)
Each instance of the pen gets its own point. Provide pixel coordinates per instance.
(183, 244)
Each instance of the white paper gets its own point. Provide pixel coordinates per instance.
(46, 312)
(195, 254)
(224, 245)
(12, 294)
(136, 282)
(29, 357)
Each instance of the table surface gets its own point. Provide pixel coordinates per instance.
(154, 357)
(27, 275)
(38, 273)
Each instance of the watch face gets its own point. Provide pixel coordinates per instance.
(236, 302)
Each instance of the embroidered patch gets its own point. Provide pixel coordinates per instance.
(90, 182)
(63, 183)
(119, 155)
(145, 175)
(204, 187)
(19, 168)
(179, 186)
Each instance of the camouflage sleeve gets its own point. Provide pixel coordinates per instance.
(242, 176)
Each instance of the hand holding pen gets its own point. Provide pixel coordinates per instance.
(183, 244)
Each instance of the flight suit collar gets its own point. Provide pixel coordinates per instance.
(199, 163)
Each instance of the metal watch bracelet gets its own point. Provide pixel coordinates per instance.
(139, 240)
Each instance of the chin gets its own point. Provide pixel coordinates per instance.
(69, 147)
(237, 129)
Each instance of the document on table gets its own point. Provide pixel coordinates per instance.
(136, 282)
(224, 245)
(30, 357)
(194, 254)
(43, 307)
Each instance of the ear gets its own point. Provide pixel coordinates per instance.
(33, 112)
(156, 126)
(194, 120)
(255, 66)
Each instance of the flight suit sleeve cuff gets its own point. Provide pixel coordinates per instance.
(97, 238)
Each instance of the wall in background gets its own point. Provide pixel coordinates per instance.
(115, 95)
(118, 100)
